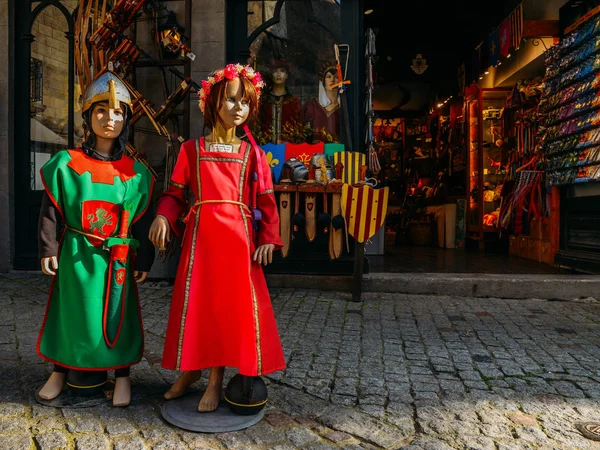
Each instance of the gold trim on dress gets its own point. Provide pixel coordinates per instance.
(254, 299)
(177, 185)
(190, 263)
(217, 159)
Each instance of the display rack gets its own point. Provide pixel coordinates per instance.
(486, 158)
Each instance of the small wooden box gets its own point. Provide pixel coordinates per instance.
(533, 251)
(535, 228)
(546, 253)
(523, 246)
(546, 234)
(513, 246)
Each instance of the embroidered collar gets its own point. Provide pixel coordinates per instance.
(101, 171)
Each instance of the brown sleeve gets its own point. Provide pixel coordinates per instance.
(47, 228)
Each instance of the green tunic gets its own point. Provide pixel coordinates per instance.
(90, 194)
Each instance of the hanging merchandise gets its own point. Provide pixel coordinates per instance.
(570, 106)
(172, 39)
(341, 85)
(373, 163)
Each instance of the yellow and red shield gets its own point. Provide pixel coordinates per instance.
(99, 218)
(364, 210)
(352, 162)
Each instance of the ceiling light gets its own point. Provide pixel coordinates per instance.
(368, 11)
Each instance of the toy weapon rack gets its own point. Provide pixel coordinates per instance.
(105, 39)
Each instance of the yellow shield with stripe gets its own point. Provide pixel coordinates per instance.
(352, 162)
(364, 210)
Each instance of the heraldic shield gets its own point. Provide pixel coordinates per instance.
(364, 210)
(99, 218)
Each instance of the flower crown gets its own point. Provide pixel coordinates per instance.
(230, 72)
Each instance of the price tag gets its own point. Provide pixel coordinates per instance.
(191, 56)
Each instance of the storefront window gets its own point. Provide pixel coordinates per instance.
(49, 89)
(293, 47)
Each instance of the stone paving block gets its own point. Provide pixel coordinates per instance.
(12, 425)
(51, 441)
(301, 436)
(135, 443)
(235, 440)
(116, 428)
(16, 442)
(84, 425)
(92, 442)
(264, 433)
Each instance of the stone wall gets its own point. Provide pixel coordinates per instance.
(208, 43)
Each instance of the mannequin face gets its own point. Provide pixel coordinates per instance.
(107, 123)
(279, 76)
(330, 79)
(235, 108)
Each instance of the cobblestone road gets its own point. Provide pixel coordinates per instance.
(396, 371)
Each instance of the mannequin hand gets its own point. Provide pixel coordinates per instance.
(139, 276)
(49, 265)
(264, 254)
(160, 232)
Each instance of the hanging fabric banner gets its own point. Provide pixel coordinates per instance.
(505, 38)
(516, 26)
(493, 47)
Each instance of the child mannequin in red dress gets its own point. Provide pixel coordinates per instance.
(221, 313)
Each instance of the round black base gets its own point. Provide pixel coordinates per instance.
(183, 413)
(66, 399)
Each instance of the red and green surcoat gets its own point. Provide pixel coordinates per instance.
(84, 326)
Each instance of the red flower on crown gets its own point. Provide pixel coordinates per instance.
(230, 72)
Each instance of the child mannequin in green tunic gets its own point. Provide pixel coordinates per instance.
(108, 121)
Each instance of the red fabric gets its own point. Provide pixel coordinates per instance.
(218, 321)
(103, 171)
(303, 152)
(291, 111)
(321, 119)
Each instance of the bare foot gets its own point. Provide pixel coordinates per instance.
(210, 400)
(122, 393)
(185, 380)
(53, 386)
(212, 396)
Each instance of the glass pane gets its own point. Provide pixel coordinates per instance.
(49, 90)
(297, 60)
(259, 11)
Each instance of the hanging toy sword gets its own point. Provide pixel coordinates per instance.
(116, 293)
(341, 85)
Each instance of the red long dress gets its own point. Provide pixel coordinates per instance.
(221, 313)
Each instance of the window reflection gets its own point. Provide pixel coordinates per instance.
(49, 90)
(296, 57)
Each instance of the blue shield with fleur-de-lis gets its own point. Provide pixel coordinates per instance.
(275, 154)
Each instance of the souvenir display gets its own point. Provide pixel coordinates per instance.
(571, 108)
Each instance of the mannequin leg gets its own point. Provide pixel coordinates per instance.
(54, 385)
(212, 396)
(122, 393)
(185, 380)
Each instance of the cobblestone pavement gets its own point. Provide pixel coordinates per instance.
(396, 371)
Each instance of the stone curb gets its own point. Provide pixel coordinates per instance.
(550, 287)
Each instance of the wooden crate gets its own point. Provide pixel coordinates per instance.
(533, 249)
(513, 245)
(535, 228)
(523, 246)
(546, 253)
